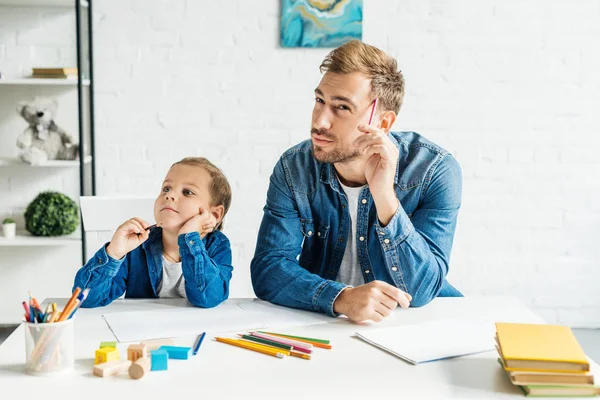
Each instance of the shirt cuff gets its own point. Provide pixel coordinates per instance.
(191, 241)
(396, 231)
(326, 296)
(109, 264)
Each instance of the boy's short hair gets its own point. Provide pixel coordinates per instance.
(387, 82)
(219, 189)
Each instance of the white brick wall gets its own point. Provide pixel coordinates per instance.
(509, 87)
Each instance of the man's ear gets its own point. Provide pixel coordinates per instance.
(218, 212)
(387, 121)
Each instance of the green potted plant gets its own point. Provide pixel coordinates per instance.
(51, 214)
(9, 228)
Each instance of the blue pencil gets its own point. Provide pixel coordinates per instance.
(199, 342)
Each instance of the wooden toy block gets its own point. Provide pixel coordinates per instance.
(139, 368)
(136, 351)
(108, 344)
(106, 354)
(156, 343)
(111, 368)
(160, 359)
(177, 352)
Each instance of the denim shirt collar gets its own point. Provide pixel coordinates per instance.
(329, 175)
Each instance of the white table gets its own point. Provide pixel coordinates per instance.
(351, 370)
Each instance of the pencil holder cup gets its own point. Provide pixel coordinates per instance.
(49, 347)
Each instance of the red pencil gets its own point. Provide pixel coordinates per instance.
(373, 110)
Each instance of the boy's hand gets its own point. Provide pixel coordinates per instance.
(203, 223)
(128, 236)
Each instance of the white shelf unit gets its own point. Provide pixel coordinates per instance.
(24, 239)
(14, 162)
(43, 82)
(42, 3)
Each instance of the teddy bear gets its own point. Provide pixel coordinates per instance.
(43, 140)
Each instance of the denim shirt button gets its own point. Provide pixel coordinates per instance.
(191, 242)
(386, 241)
(367, 271)
(99, 260)
(382, 233)
(318, 233)
(309, 233)
(394, 269)
(364, 201)
(341, 239)
(362, 238)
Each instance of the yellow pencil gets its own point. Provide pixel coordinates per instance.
(265, 346)
(248, 346)
(300, 355)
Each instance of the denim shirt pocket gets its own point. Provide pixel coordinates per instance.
(307, 226)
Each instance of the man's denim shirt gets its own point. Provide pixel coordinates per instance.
(206, 266)
(305, 227)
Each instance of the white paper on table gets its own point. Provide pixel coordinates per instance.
(279, 316)
(134, 326)
(435, 340)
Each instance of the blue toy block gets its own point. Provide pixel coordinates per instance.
(177, 352)
(160, 360)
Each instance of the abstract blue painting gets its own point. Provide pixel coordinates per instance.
(320, 23)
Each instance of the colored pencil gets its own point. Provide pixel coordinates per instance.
(300, 355)
(199, 342)
(266, 342)
(264, 346)
(248, 346)
(70, 304)
(373, 111)
(298, 346)
(304, 339)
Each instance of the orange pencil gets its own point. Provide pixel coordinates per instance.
(70, 304)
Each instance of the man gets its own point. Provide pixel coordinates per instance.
(358, 219)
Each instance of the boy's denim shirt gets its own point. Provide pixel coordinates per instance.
(305, 227)
(206, 265)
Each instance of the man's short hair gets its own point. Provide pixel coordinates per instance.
(387, 82)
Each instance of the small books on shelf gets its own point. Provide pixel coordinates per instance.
(433, 340)
(55, 73)
(544, 360)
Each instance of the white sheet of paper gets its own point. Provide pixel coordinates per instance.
(134, 326)
(435, 340)
(277, 316)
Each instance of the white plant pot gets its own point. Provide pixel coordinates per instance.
(9, 230)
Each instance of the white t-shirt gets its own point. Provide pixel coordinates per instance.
(350, 272)
(173, 283)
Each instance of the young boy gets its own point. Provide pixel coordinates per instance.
(185, 255)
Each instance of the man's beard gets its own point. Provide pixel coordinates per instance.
(337, 155)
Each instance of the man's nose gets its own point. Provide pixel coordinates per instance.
(321, 119)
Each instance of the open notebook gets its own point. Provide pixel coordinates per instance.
(434, 340)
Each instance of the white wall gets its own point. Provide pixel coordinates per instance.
(34, 37)
(508, 86)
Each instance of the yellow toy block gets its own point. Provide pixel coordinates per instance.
(106, 354)
(136, 351)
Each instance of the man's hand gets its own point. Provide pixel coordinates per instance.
(372, 301)
(203, 223)
(127, 237)
(380, 169)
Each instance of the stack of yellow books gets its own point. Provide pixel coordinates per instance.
(55, 73)
(544, 360)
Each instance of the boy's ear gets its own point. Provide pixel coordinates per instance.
(387, 120)
(218, 212)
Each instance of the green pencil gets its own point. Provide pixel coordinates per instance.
(265, 341)
(298, 337)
